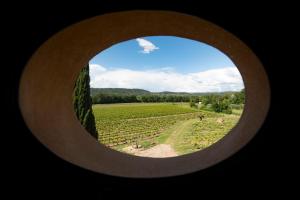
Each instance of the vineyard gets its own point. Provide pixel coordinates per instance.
(202, 134)
(128, 123)
(150, 124)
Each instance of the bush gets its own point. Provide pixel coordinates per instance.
(222, 105)
(192, 104)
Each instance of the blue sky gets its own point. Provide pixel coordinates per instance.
(165, 63)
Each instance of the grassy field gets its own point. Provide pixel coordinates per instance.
(150, 124)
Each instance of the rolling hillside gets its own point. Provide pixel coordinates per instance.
(125, 91)
(118, 91)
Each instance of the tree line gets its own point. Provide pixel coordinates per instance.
(116, 98)
(223, 102)
(220, 103)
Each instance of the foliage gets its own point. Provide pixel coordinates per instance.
(125, 124)
(82, 102)
(239, 98)
(122, 95)
(223, 103)
(237, 106)
(101, 98)
(118, 91)
(192, 104)
(202, 134)
(149, 124)
(194, 100)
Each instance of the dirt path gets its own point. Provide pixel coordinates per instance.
(158, 151)
(178, 130)
(166, 149)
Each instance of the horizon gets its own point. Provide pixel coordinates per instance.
(168, 91)
(165, 63)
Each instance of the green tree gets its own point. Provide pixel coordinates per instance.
(221, 104)
(83, 103)
(239, 97)
(193, 101)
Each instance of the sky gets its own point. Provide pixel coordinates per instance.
(164, 63)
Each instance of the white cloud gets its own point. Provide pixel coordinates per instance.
(146, 45)
(95, 70)
(216, 80)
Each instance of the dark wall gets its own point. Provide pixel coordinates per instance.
(36, 172)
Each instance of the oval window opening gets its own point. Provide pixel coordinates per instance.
(159, 96)
(152, 73)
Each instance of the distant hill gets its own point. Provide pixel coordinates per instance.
(217, 93)
(125, 91)
(172, 93)
(118, 91)
(193, 93)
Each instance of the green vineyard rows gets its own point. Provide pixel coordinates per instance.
(129, 131)
(121, 124)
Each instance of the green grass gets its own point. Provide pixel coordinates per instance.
(198, 135)
(138, 110)
(149, 124)
(193, 135)
(237, 111)
(127, 123)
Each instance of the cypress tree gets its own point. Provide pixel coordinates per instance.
(83, 103)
